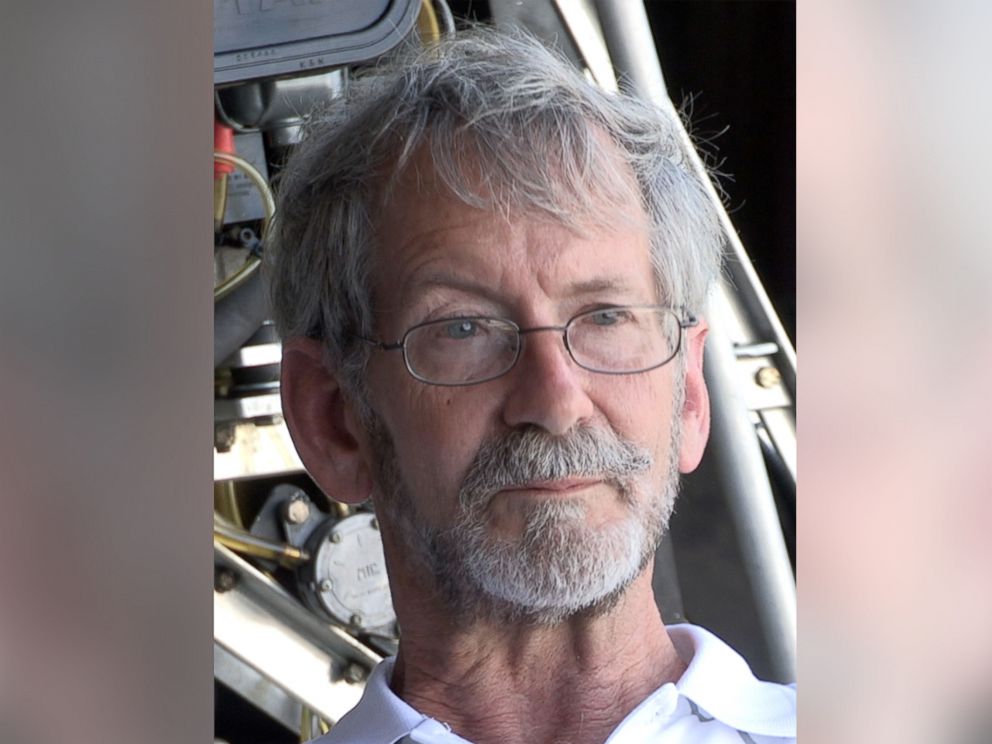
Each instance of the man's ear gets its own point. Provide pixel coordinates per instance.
(322, 424)
(696, 408)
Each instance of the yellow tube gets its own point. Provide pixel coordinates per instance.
(220, 200)
(306, 724)
(226, 503)
(427, 25)
(245, 542)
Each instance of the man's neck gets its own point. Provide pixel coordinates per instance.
(572, 682)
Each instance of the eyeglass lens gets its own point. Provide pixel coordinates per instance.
(462, 351)
(623, 339)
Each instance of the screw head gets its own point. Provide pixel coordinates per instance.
(354, 673)
(224, 580)
(297, 511)
(335, 537)
(325, 585)
(768, 377)
(356, 620)
(224, 436)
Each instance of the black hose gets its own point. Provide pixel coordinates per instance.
(238, 316)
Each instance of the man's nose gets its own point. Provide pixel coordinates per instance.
(547, 386)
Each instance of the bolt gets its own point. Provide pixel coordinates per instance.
(296, 511)
(768, 377)
(335, 537)
(225, 579)
(325, 585)
(354, 673)
(224, 437)
(374, 523)
(223, 382)
(357, 620)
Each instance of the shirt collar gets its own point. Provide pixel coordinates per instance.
(719, 681)
(381, 715)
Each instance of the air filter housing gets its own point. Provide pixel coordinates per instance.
(280, 38)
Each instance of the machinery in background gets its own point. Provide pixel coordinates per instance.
(302, 609)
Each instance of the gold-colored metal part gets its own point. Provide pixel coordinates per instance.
(427, 25)
(307, 720)
(226, 503)
(306, 724)
(249, 544)
(220, 200)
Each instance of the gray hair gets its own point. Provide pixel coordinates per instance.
(492, 106)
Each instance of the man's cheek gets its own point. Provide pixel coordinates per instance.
(428, 479)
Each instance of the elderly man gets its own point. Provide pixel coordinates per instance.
(488, 276)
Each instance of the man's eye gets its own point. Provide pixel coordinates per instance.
(460, 329)
(608, 317)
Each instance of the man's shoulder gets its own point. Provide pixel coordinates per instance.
(380, 717)
(717, 700)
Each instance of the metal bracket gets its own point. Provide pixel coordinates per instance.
(268, 639)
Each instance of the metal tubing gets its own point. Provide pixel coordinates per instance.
(238, 316)
(582, 22)
(737, 452)
(628, 37)
(631, 44)
(264, 629)
(734, 443)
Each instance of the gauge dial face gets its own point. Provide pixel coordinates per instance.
(350, 574)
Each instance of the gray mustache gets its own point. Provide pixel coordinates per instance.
(527, 455)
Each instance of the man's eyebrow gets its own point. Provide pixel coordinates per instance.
(598, 286)
(444, 280)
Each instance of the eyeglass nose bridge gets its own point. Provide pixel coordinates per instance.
(563, 330)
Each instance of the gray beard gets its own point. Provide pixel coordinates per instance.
(559, 566)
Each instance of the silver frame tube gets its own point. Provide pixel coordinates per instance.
(734, 444)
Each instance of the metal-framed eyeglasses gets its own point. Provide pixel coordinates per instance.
(609, 340)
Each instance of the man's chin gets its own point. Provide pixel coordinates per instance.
(550, 611)
(530, 522)
(559, 568)
(500, 611)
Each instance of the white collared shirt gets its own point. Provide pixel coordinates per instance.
(717, 701)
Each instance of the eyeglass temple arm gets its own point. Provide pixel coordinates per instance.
(380, 344)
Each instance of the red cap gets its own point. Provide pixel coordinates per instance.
(223, 142)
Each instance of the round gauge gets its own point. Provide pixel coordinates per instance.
(348, 578)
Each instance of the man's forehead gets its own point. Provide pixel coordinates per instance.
(429, 235)
(508, 259)
(438, 175)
